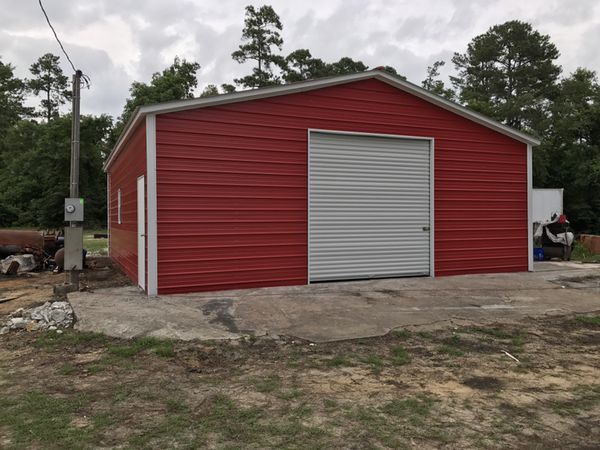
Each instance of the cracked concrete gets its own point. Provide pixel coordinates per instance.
(343, 310)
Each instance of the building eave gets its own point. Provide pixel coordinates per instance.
(303, 86)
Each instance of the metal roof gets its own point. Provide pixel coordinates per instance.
(302, 86)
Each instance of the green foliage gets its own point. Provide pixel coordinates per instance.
(301, 65)
(570, 153)
(260, 35)
(210, 91)
(589, 320)
(12, 95)
(509, 73)
(34, 171)
(176, 82)
(51, 83)
(157, 346)
(433, 84)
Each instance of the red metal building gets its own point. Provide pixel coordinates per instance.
(350, 177)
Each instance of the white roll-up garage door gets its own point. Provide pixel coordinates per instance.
(369, 206)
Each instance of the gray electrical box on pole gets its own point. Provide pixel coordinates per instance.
(73, 209)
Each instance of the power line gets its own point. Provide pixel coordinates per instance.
(56, 36)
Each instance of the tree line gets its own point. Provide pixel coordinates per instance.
(510, 73)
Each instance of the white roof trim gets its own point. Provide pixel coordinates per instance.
(273, 91)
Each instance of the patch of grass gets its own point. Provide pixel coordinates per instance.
(425, 334)
(375, 362)
(399, 356)
(66, 369)
(588, 320)
(290, 394)
(98, 246)
(176, 405)
(160, 347)
(329, 403)
(585, 398)
(494, 332)
(267, 384)
(35, 419)
(340, 361)
(451, 346)
(413, 409)
(450, 350)
(401, 333)
(581, 253)
(69, 339)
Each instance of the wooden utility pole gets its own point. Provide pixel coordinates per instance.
(73, 275)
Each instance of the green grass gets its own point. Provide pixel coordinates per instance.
(99, 246)
(400, 356)
(375, 362)
(39, 420)
(340, 361)
(585, 398)
(451, 346)
(588, 320)
(267, 384)
(160, 347)
(412, 408)
(580, 253)
(67, 369)
(401, 333)
(69, 339)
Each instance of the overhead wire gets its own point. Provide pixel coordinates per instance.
(85, 78)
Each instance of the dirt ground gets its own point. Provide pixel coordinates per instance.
(34, 288)
(445, 388)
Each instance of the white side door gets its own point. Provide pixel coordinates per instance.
(141, 231)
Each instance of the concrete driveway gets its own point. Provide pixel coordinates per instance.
(343, 310)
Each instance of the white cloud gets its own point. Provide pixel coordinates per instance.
(119, 42)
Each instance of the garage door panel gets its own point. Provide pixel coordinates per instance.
(369, 205)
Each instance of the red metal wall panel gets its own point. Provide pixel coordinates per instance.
(124, 172)
(232, 186)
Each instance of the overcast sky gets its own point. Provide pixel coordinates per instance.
(118, 41)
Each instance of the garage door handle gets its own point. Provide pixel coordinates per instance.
(425, 228)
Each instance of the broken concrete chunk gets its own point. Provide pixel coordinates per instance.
(27, 263)
(47, 316)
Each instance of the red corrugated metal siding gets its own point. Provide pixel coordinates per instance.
(124, 172)
(232, 186)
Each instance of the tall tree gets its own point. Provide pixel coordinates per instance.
(176, 82)
(433, 84)
(347, 65)
(227, 88)
(261, 33)
(509, 73)
(569, 156)
(49, 81)
(12, 93)
(300, 65)
(210, 91)
(34, 174)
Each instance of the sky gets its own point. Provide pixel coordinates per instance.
(117, 42)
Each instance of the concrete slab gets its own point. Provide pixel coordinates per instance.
(343, 310)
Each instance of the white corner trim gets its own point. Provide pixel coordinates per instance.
(108, 211)
(432, 208)
(151, 232)
(529, 208)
